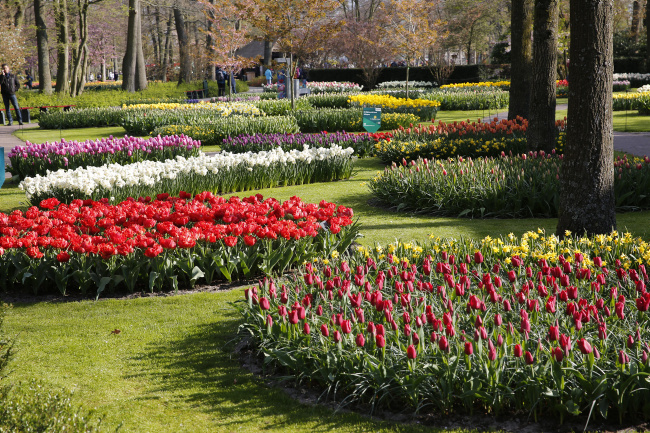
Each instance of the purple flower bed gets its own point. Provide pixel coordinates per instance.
(33, 159)
(363, 144)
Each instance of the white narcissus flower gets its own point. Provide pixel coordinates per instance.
(112, 176)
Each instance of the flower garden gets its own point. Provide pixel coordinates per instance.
(517, 325)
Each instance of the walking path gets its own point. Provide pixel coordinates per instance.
(636, 143)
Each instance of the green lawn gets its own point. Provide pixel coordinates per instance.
(36, 135)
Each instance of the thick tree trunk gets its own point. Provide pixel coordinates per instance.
(140, 66)
(63, 63)
(521, 55)
(133, 69)
(646, 22)
(44, 74)
(184, 75)
(128, 64)
(541, 126)
(587, 174)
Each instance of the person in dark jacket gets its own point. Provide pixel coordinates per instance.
(8, 85)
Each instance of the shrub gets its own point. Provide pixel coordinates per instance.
(504, 187)
(363, 144)
(458, 326)
(169, 242)
(82, 118)
(213, 132)
(34, 408)
(33, 159)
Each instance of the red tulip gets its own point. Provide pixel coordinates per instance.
(346, 326)
(264, 303)
(443, 344)
(553, 333)
(529, 358)
(469, 349)
(411, 353)
(478, 257)
(380, 341)
(337, 336)
(492, 352)
(305, 329)
(324, 330)
(584, 346)
(557, 354)
(497, 319)
(360, 340)
(518, 350)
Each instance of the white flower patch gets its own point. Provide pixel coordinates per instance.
(108, 177)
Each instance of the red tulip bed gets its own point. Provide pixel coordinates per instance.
(533, 326)
(164, 243)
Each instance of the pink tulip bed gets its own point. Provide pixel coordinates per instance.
(532, 325)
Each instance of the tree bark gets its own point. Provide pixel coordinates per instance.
(521, 16)
(63, 35)
(80, 51)
(184, 75)
(140, 66)
(42, 47)
(541, 126)
(133, 69)
(268, 52)
(587, 174)
(167, 51)
(128, 64)
(634, 27)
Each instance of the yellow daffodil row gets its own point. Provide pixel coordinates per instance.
(481, 84)
(388, 101)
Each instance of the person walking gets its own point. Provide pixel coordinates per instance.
(269, 76)
(8, 85)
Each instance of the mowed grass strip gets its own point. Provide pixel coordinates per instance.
(172, 367)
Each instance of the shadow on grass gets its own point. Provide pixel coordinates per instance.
(202, 371)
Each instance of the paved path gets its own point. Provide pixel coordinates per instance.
(636, 143)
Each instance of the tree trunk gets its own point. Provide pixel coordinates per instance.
(80, 51)
(587, 174)
(521, 54)
(128, 64)
(63, 65)
(184, 75)
(541, 127)
(634, 28)
(133, 69)
(140, 66)
(44, 74)
(209, 41)
(646, 23)
(167, 50)
(268, 52)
